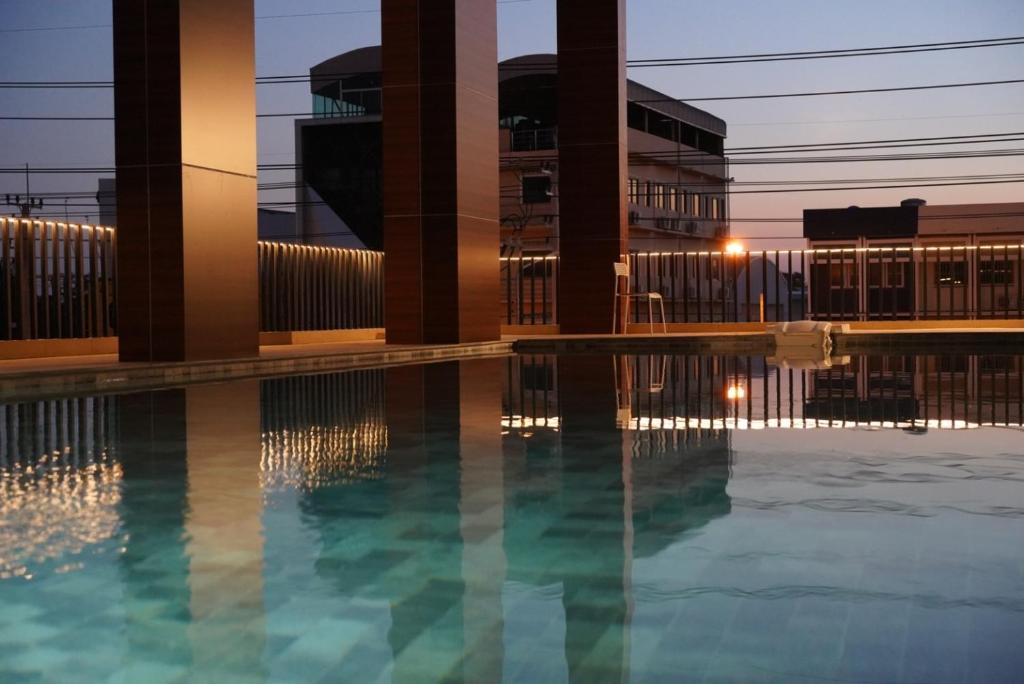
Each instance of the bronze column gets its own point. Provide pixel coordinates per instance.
(185, 110)
(592, 160)
(440, 170)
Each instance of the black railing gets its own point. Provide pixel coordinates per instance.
(534, 139)
(707, 392)
(866, 284)
(529, 290)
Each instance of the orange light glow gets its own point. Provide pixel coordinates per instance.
(736, 392)
(734, 247)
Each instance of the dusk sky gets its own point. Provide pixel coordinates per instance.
(657, 29)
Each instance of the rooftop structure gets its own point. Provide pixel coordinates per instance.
(677, 182)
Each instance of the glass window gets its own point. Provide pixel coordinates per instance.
(842, 275)
(951, 274)
(995, 272)
(536, 189)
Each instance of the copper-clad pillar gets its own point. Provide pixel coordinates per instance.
(592, 159)
(440, 170)
(185, 107)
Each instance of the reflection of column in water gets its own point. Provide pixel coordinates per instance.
(594, 566)
(183, 452)
(482, 518)
(151, 446)
(224, 528)
(433, 521)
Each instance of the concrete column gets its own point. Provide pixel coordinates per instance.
(440, 170)
(592, 159)
(185, 108)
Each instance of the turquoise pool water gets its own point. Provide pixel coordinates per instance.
(534, 519)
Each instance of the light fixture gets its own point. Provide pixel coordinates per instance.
(735, 392)
(734, 247)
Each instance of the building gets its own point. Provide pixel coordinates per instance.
(917, 261)
(678, 176)
(106, 198)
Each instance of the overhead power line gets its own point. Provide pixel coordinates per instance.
(268, 115)
(635, 63)
(872, 142)
(828, 54)
(819, 93)
(261, 17)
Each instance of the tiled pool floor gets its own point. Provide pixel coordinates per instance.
(411, 525)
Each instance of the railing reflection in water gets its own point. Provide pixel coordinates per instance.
(59, 476)
(322, 429)
(701, 393)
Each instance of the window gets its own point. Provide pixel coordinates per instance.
(673, 198)
(843, 275)
(886, 274)
(991, 363)
(634, 191)
(951, 274)
(649, 194)
(995, 272)
(952, 364)
(536, 189)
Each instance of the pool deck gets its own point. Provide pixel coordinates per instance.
(23, 379)
(69, 375)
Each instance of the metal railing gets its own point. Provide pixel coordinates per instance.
(533, 140)
(917, 283)
(56, 280)
(529, 292)
(60, 281)
(852, 284)
(319, 288)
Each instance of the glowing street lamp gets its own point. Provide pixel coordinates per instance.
(734, 247)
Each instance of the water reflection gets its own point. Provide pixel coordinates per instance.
(514, 519)
(663, 392)
(58, 482)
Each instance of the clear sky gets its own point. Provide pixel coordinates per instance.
(656, 28)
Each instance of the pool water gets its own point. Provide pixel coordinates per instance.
(524, 519)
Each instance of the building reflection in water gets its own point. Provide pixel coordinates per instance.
(465, 521)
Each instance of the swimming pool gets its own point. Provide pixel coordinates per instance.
(524, 519)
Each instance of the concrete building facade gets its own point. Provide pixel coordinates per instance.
(677, 183)
(917, 260)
